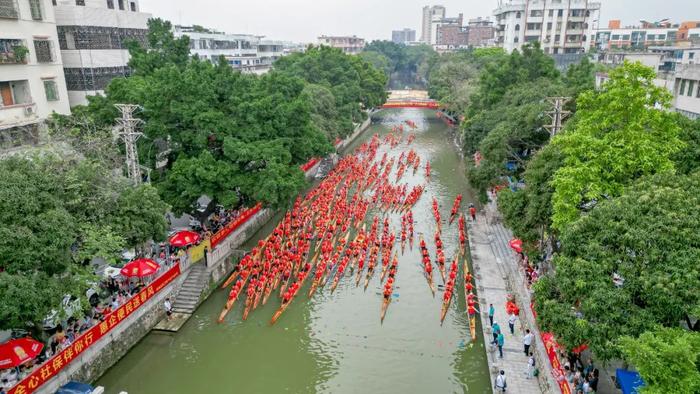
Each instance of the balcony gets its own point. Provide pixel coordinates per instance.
(17, 115)
(12, 51)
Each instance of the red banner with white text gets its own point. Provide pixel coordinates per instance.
(55, 364)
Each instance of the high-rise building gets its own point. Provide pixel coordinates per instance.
(560, 26)
(403, 36)
(430, 14)
(32, 84)
(349, 44)
(244, 52)
(92, 35)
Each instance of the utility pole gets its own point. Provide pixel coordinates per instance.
(558, 114)
(126, 129)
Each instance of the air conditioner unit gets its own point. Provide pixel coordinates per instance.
(28, 111)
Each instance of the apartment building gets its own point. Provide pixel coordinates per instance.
(32, 84)
(686, 90)
(244, 52)
(348, 44)
(560, 26)
(480, 32)
(431, 15)
(92, 35)
(403, 36)
(647, 35)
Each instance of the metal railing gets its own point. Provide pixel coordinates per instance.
(9, 9)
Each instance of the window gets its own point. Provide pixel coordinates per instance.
(651, 37)
(698, 93)
(14, 93)
(8, 9)
(691, 55)
(551, 13)
(691, 86)
(51, 90)
(661, 37)
(534, 26)
(516, 40)
(682, 91)
(110, 4)
(615, 37)
(35, 8)
(560, 13)
(517, 27)
(6, 94)
(536, 13)
(44, 54)
(121, 5)
(132, 5)
(517, 15)
(625, 37)
(80, 2)
(549, 26)
(7, 51)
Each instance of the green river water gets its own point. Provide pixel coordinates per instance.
(333, 343)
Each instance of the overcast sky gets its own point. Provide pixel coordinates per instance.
(304, 20)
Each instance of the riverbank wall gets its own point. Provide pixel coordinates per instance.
(101, 355)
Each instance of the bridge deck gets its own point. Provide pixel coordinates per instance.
(410, 99)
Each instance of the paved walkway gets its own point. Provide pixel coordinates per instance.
(495, 269)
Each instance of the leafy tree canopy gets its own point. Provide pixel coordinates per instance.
(57, 215)
(622, 132)
(668, 360)
(650, 237)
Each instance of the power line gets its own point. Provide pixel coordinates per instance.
(126, 129)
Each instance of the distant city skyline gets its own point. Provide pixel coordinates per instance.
(305, 20)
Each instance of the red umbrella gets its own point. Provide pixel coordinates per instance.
(140, 268)
(184, 238)
(516, 245)
(18, 351)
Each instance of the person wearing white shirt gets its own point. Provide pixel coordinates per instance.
(527, 341)
(511, 323)
(500, 384)
(530, 370)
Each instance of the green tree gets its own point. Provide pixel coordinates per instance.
(687, 159)
(668, 360)
(650, 237)
(622, 132)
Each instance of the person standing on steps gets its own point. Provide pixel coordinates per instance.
(501, 340)
(492, 311)
(527, 341)
(168, 308)
(511, 323)
(472, 212)
(530, 370)
(495, 330)
(500, 384)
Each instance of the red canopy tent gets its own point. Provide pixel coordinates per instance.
(516, 245)
(184, 238)
(18, 351)
(140, 268)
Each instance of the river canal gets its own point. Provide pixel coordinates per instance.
(333, 343)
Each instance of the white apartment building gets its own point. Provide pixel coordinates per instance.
(560, 26)
(431, 15)
(92, 36)
(686, 90)
(349, 44)
(32, 85)
(634, 38)
(245, 52)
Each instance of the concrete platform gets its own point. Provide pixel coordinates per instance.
(177, 320)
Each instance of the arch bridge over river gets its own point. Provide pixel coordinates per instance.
(410, 99)
(334, 343)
